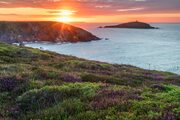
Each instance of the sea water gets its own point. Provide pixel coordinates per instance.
(154, 49)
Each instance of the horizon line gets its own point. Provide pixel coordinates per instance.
(83, 22)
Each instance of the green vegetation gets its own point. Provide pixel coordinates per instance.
(44, 85)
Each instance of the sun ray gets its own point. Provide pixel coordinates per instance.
(65, 16)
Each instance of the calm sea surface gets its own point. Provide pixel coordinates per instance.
(155, 49)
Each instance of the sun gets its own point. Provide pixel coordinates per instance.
(65, 19)
(65, 16)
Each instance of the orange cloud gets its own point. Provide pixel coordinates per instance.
(91, 10)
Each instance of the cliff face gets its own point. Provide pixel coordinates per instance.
(42, 31)
(136, 24)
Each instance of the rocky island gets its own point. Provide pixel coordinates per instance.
(14, 32)
(138, 25)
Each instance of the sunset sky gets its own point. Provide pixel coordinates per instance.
(90, 10)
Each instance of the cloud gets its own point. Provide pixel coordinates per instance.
(89, 8)
(103, 6)
(129, 9)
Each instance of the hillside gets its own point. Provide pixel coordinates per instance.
(139, 25)
(44, 85)
(11, 32)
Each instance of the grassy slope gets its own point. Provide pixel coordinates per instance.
(38, 84)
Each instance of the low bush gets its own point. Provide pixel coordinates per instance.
(37, 99)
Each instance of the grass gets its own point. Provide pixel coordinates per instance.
(43, 85)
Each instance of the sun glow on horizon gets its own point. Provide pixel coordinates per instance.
(65, 19)
(65, 16)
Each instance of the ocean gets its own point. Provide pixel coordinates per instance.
(154, 49)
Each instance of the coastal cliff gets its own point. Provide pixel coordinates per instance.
(139, 25)
(11, 32)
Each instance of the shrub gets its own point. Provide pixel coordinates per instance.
(108, 98)
(13, 84)
(8, 84)
(102, 78)
(158, 87)
(69, 77)
(37, 99)
(45, 73)
(61, 111)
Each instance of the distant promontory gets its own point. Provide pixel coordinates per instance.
(136, 24)
(14, 32)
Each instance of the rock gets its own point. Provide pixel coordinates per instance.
(139, 25)
(11, 32)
